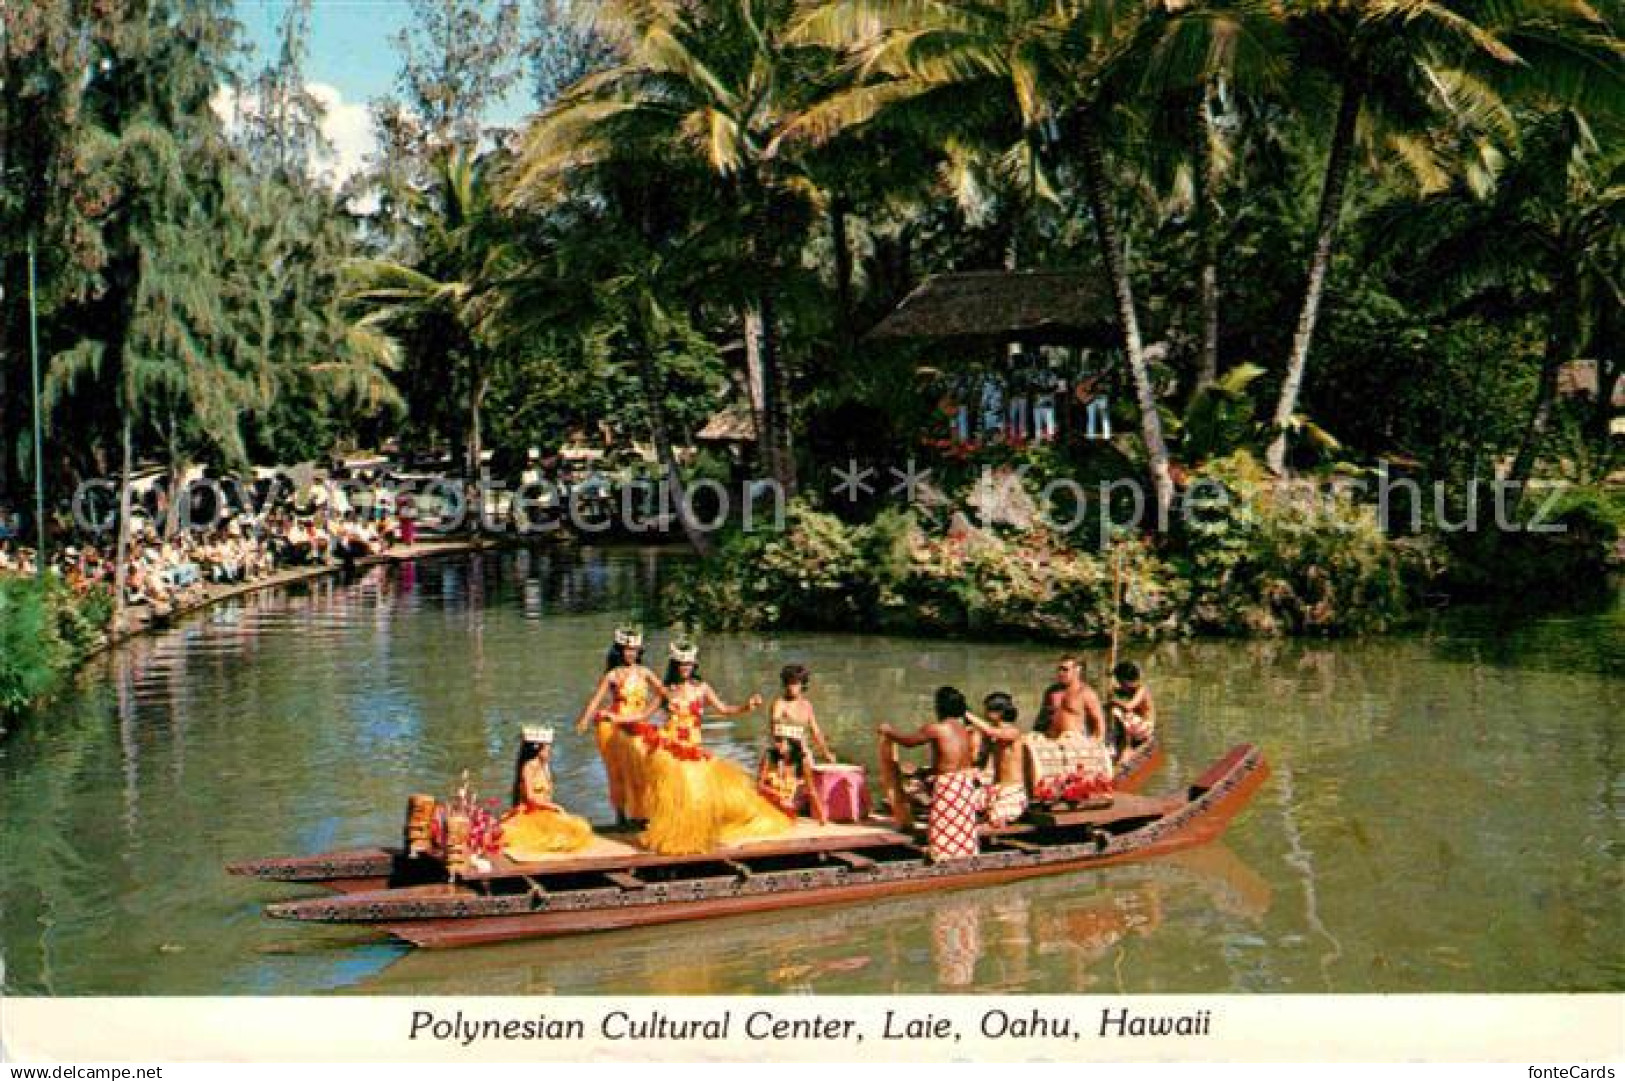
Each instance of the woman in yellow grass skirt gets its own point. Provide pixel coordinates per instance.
(695, 801)
(537, 827)
(633, 693)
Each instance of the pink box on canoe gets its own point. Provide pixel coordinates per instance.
(842, 788)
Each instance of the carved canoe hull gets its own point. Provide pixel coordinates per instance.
(367, 869)
(549, 904)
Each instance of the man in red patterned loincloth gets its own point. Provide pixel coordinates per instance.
(955, 792)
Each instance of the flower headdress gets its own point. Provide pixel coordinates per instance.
(684, 651)
(629, 636)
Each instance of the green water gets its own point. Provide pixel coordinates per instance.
(1444, 814)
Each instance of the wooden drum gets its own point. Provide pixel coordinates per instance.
(419, 824)
(844, 792)
(1070, 769)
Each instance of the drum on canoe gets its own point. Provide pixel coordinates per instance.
(843, 790)
(1071, 769)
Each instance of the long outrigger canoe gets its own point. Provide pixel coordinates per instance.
(821, 865)
(364, 870)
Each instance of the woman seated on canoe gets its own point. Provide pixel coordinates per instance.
(696, 802)
(786, 767)
(634, 694)
(537, 827)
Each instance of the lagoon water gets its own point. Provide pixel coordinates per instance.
(1445, 812)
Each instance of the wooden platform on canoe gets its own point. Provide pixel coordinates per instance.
(619, 851)
(1125, 807)
(861, 865)
(365, 869)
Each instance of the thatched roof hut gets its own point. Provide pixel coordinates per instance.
(1579, 379)
(1040, 307)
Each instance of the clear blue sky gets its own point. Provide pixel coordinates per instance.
(351, 47)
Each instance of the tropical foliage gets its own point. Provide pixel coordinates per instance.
(45, 629)
(1323, 234)
(1257, 563)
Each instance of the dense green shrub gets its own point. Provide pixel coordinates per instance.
(1253, 559)
(817, 572)
(1268, 559)
(1581, 540)
(32, 652)
(1028, 583)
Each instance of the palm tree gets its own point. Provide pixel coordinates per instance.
(712, 83)
(650, 325)
(1051, 71)
(1203, 78)
(445, 298)
(1193, 118)
(157, 335)
(1395, 66)
(282, 267)
(1546, 239)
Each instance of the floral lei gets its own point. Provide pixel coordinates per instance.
(654, 739)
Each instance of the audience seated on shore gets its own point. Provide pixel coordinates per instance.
(165, 573)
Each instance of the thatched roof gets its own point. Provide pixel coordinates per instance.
(1041, 306)
(1578, 379)
(732, 424)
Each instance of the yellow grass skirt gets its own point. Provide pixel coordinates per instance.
(532, 834)
(629, 747)
(608, 737)
(697, 806)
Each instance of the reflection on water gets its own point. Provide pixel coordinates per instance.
(1444, 814)
(1008, 938)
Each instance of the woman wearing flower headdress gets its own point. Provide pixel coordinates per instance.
(697, 802)
(633, 693)
(688, 696)
(537, 826)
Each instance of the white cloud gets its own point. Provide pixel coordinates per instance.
(346, 126)
(348, 129)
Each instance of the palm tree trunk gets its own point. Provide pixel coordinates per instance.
(1605, 342)
(778, 404)
(172, 519)
(844, 330)
(1562, 325)
(122, 549)
(1207, 217)
(480, 386)
(655, 395)
(1106, 232)
(1338, 164)
(5, 410)
(757, 361)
